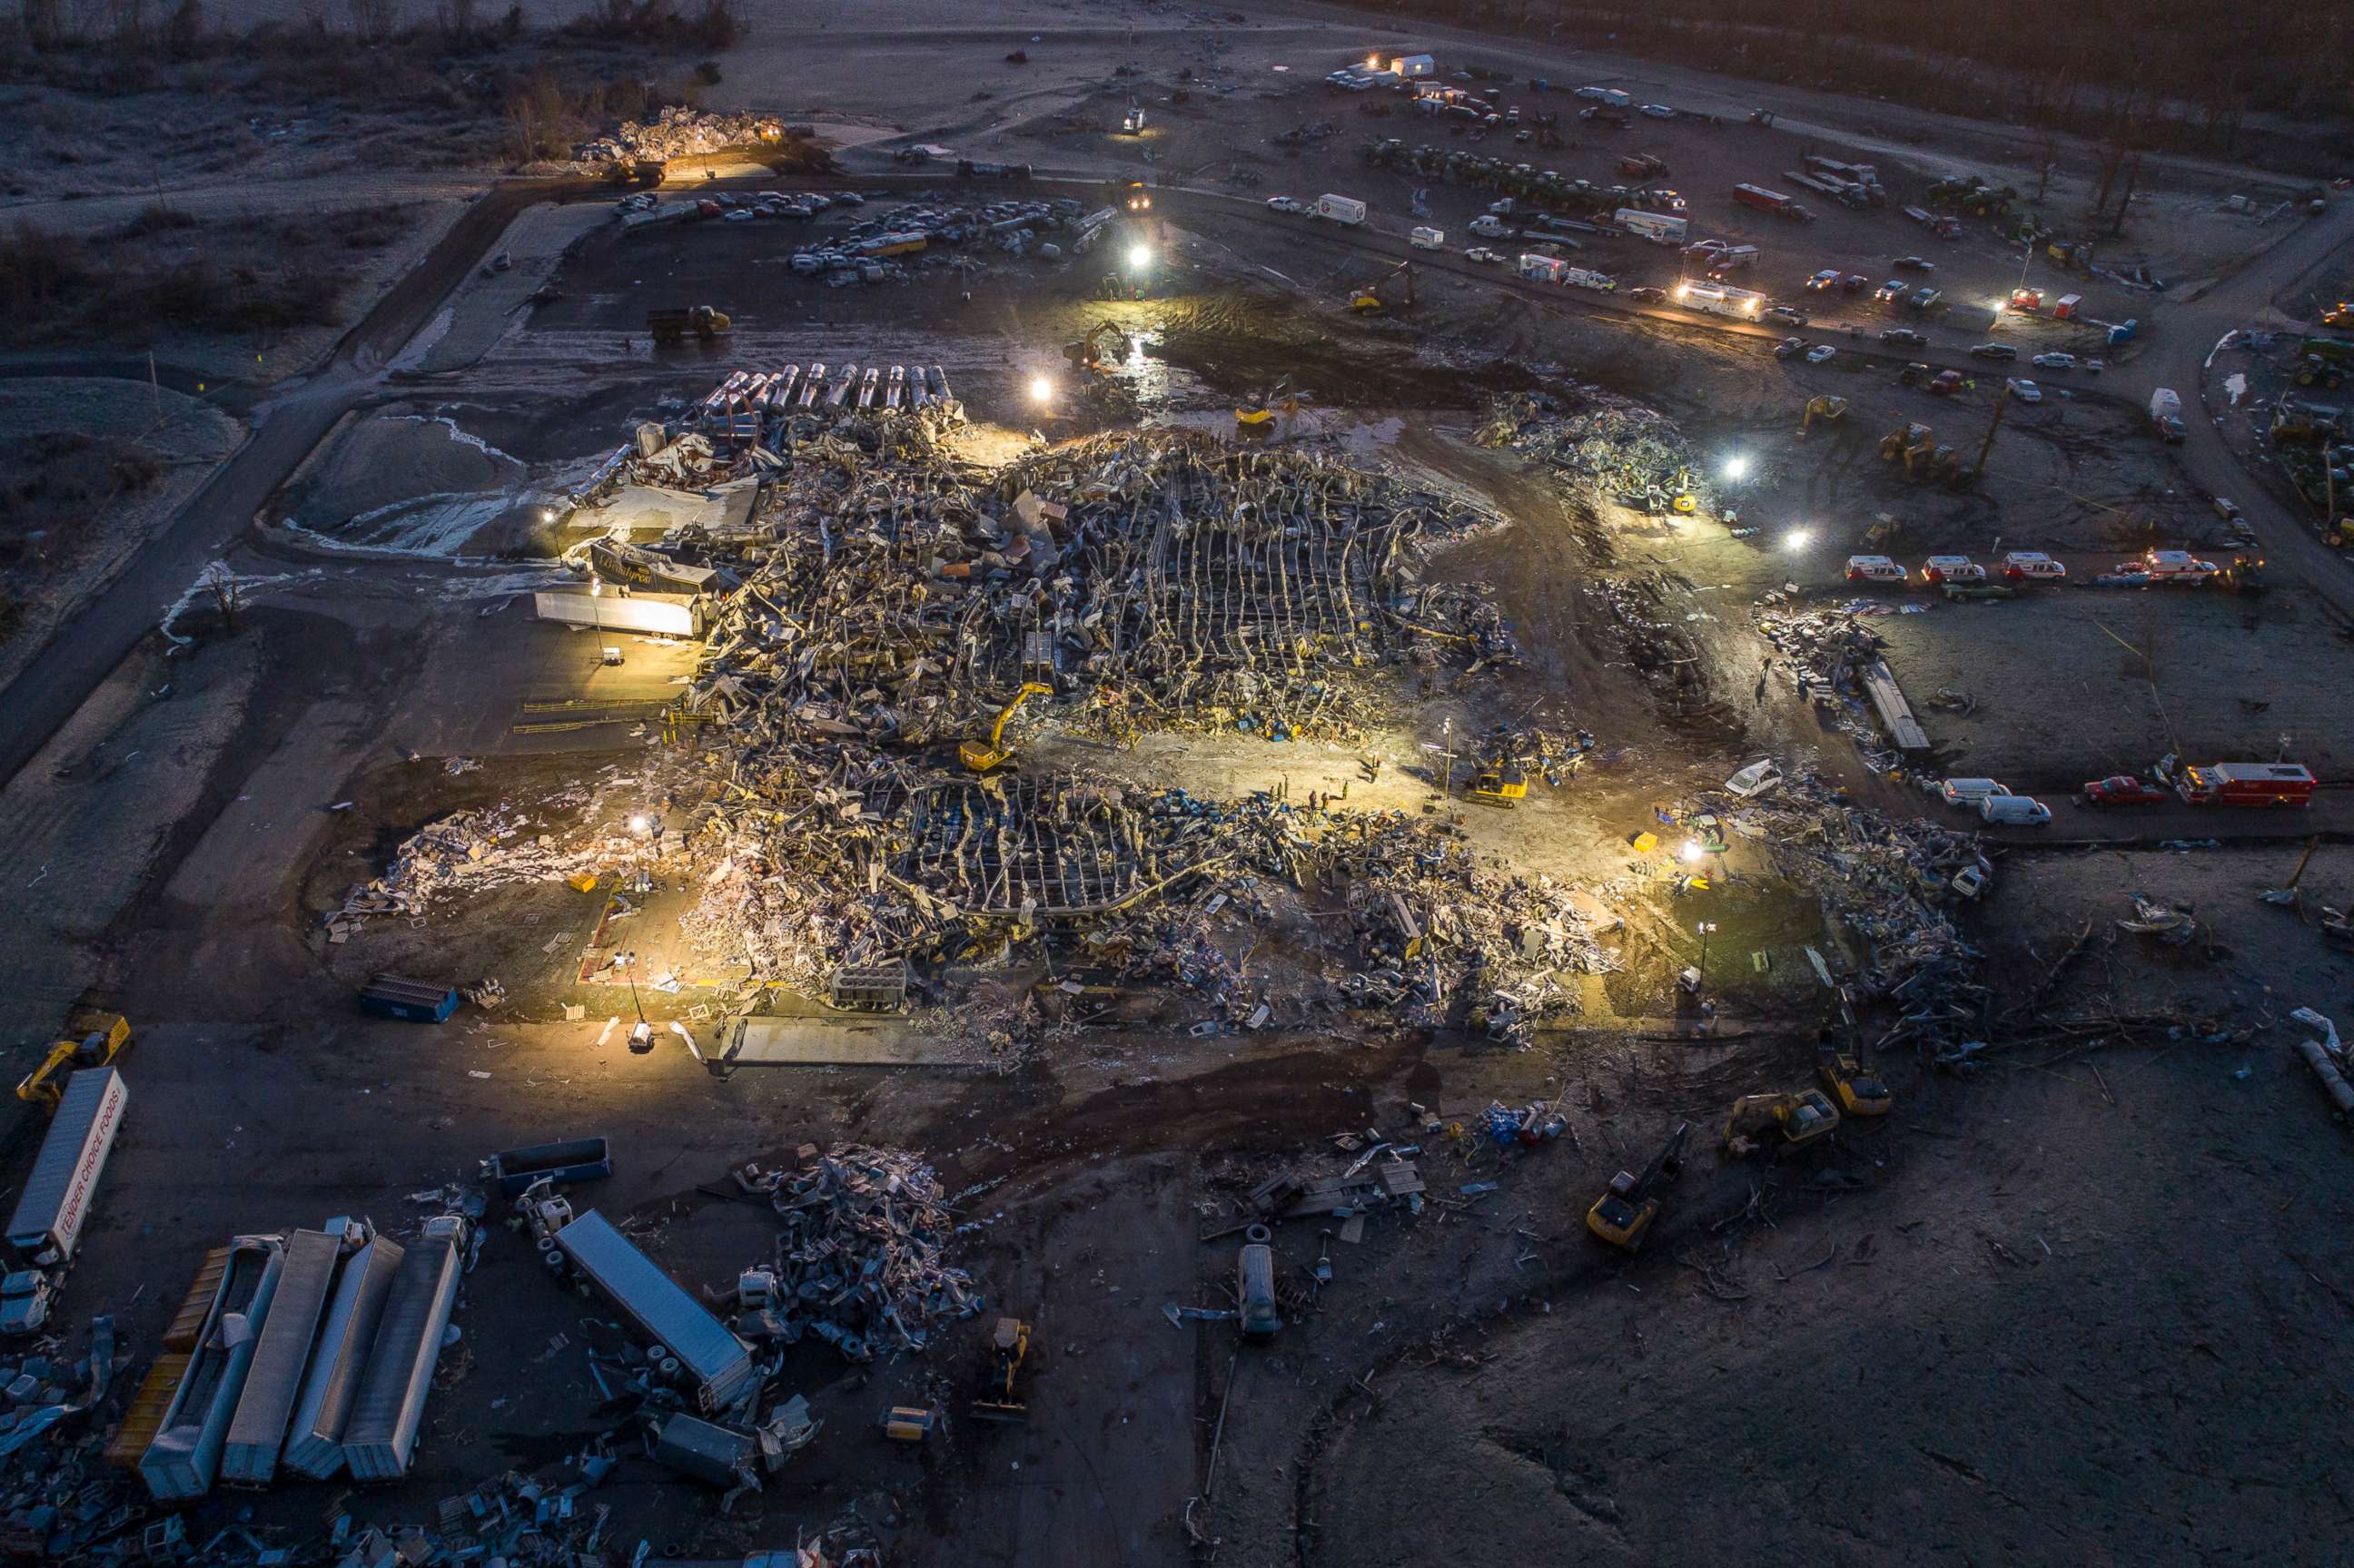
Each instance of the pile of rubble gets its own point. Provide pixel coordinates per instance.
(677, 131)
(1887, 882)
(473, 849)
(1636, 456)
(1828, 652)
(860, 1263)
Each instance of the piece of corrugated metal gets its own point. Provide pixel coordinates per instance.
(274, 1381)
(390, 1406)
(315, 1445)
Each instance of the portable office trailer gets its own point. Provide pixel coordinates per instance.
(180, 1464)
(390, 1406)
(661, 1312)
(314, 1445)
(275, 1380)
(48, 1222)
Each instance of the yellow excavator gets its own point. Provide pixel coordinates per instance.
(1780, 1122)
(1001, 1399)
(706, 322)
(1256, 413)
(1895, 446)
(1502, 782)
(1624, 1212)
(1838, 1060)
(1830, 409)
(995, 755)
(1381, 293)
(92, 1040)
(1087, 353)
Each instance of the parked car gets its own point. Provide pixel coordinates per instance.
(2123, 790)
(2094, 366)
(1648, 295)
(2025, 391)
(1968, 793)
(1854, 283)
(1821, 353)
(1788, 348)
(1911, 374)
(1484, 255)
(1947, 383)
(1916, 264)
(1786, 315)
(1659, 111)
(1953, 569)
(1993, 351)
(2054, 361)
(1285, 204)
(1926, 300)
(1822, 280)
(2013, 811)
(1905, 336)
(1891, 292)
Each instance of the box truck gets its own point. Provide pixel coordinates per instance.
(1342, 209)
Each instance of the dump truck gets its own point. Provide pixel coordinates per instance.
(706, 322)
(47, 1224)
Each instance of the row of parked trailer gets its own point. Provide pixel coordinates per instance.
(738, 406)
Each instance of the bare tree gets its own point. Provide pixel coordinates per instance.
(372, 20)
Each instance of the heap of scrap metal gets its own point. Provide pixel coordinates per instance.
(472, 850)
(860, 1263)
(1885, 881)
(678, 132)
(1638, 456)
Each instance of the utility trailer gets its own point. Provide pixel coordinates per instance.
(314, 1445)
(512, 1171)
(712, 1359)
(381, 1438)
(275, 1380)
(50, 1213)
(180, 1464)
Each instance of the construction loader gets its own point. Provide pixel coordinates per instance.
(1840, 1063)
(1087, 353)
(1829, 409)
(1500, 781)
(1382, 293)
(92, 1039)
(1000, 1397)
(1623, 1215)
(1778, 1122)
(706, 322)
(1256, 414)
(996, 754)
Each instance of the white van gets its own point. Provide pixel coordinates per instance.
(2033, 564)
(2014, 811)
(1970, 791)
(1873, 569)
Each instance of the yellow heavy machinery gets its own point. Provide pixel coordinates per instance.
(1780, 1122)
(1087, 353)
(1000, 1397)
(1132, 195)
(909, 1424)
(1381, 294)
(1624, 1212)
(1500, 782)
(1840, 1063)
(996, 754)
(706, 322)
(1897, 446)
(1830, 409)
(1258, 413)
(92, 1040)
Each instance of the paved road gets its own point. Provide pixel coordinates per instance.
(288, 423)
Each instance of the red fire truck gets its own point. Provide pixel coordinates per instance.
(2247, 784)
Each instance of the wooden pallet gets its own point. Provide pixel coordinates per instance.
(190, 1320)
(145, 1417)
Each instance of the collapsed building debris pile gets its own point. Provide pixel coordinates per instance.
(1883, 880)
(473, 849)
(1830, 654)
(1636, 456)
(860, 1263)
(678, 132)
(1450, 933)
(55, 1498)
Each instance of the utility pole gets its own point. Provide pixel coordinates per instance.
(1707, 930)
(2001, 401)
